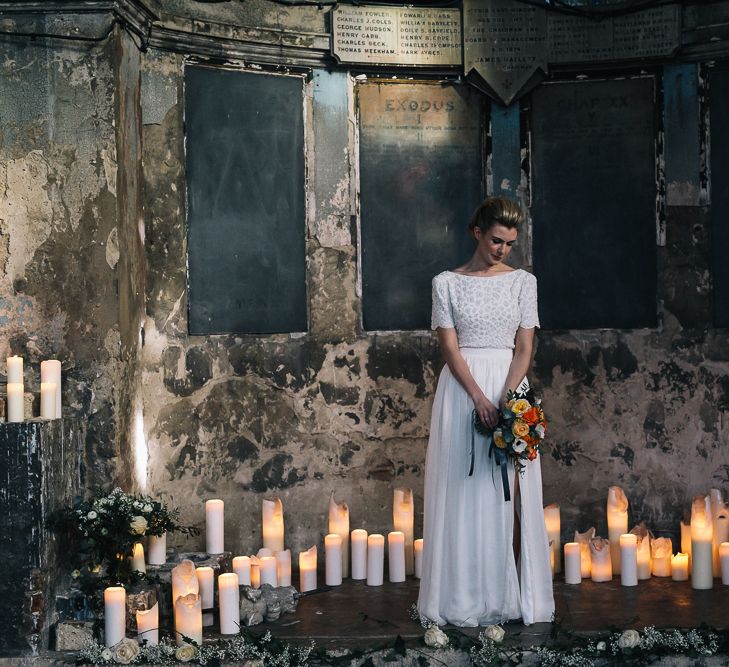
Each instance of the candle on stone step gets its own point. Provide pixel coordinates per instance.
(359, 554)
(339, 525)
(157, 549)
(115, 613)
(583, 539)
(716, 499)
(188, 619)
(553, 523)
(229, 603)
(48, 400)
(572, 563)
(307, 570)
(269, 573)
(375, 560)
(418, 550)
(403, 515)
(273, 524)
(255, 572)
(137, 559)
(215, 526)
(264, 552)
(396, 556)
(242, 567)
(720, 534)
(206, 582)
(15, 370)
(16, 402)
(617, 519)
(600, 563)
(680, 567)
(724, 562)
(644, 550)
(686, 538)
(283, 567)
(50, 371)
(629, 559)
(702, 577)
(184, 580)
(661, 552)
(148, 625)
(333, 559)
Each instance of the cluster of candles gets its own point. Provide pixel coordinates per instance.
(193, 589)
(50, 394)
(637, 555)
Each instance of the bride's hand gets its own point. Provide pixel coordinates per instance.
(486, 410)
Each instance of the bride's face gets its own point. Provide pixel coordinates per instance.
(495, 244)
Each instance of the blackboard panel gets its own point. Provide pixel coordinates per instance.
(421, 166)
(246, 213)
(594, 196)
(719, 103)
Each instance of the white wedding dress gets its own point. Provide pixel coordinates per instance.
(469, 575)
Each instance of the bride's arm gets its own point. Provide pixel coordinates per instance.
(448, 340)
(522, 359)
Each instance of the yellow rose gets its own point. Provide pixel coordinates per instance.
(499, 439)
(520, 428)
(520, 406)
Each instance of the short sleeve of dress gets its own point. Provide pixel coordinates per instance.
(442, 312)
(528, 303)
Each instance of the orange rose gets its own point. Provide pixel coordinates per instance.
(531, 416)
(532, 453)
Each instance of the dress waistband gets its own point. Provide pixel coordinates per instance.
(488, 352)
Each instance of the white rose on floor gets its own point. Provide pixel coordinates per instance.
(601, 646)
(125, 651)
(629, 639)
(435, 637)
(185, 653)
(495, 633)
(106, 655)
(138, 525)
(519, 446)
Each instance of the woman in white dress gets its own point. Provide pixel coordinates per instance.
(485, 560)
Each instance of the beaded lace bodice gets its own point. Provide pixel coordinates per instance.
(486, 311)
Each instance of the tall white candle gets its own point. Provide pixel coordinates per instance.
(188, 619)
(215, 526)
(600, 563)
(359, 554)
(572, 563)
(283, 567)
(333, 559)
(617, 519)
(584, 539)
(403, 517)
(148, 625)
(242, 567)
(157, 549)
(339, 524)
(396, 556)
(269, 573)
(553, 523)
(137, 558)
(375, 560)
(115, 613)
(184, 580)
(48, 400)
(229, 602)
(273, 524)
(15, 370)
(206, 582)
(701, 544)
(661, 552)
(686, 539)
(307, 570)
(16, 402)
(724, 562)
(629, 559)
(418, 549)
(50, 371)
(680, 567)
(720, 534)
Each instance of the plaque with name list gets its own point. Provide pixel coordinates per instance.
(379, 35)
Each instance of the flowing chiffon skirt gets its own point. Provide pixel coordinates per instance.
(469, 573)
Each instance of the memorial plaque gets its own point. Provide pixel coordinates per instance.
(504, 44)
(396, 35)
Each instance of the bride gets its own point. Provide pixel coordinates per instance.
(485, 560)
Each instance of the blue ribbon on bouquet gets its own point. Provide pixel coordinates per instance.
(498, 454)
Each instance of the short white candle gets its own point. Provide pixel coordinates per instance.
(269, 574)
(148, 625)
(137, 558)
(359, 554)
(572, 563)
(600, 563)
(157, 549)
(629, 559)
(48, 400)
(188, 619)
(333, 559)
(15, 370)
(396, 556)
(724, 562)
(339, 525)
(375, 560)
(720, 534)
(16, 402)
(403, 518)
(115, 614)
(307, 570)
(583, 539)
(283, 567)
(661, 552)
(680, 567)
(686, 539)
(264, 552)
(206, 582)
(50, 371)
(644, 557)
(701, 544)
(418, 549)
(617, 519)
(242, 567)
(553, 523)
(273, 525)
(229, 601)
(215, 526)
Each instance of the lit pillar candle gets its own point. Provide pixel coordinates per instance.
(137, 559)
(724, 562)
(307, 570)
(229, 602)
(396, 556)
(716, 499)
(629, 559)
(188, 619)
(269, 574)
(661, 552)
(206, 582)
(572, 563)
(644, 557)
(403, 518)
(148, 625)
(16, 402)
(680, 567)
(184, 580)
(375, 560)
(701, 544)
(720, 534)
(583, 539)
(50, 371)
(15, 370)
(359, 554)
(157, 549)
(255, 572)
(215, 526)
(273, 525)
(686, 539)
(48, 400)
(264, 552)
(339, 525)
(242, 567)
(418, 550)
(283, 567)
(115, 613)
(600, 563)
(333, 559)
(553, 523)
(617, 519)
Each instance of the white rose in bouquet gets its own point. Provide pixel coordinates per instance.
(138, 525)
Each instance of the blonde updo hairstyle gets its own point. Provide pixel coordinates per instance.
(496, 211)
